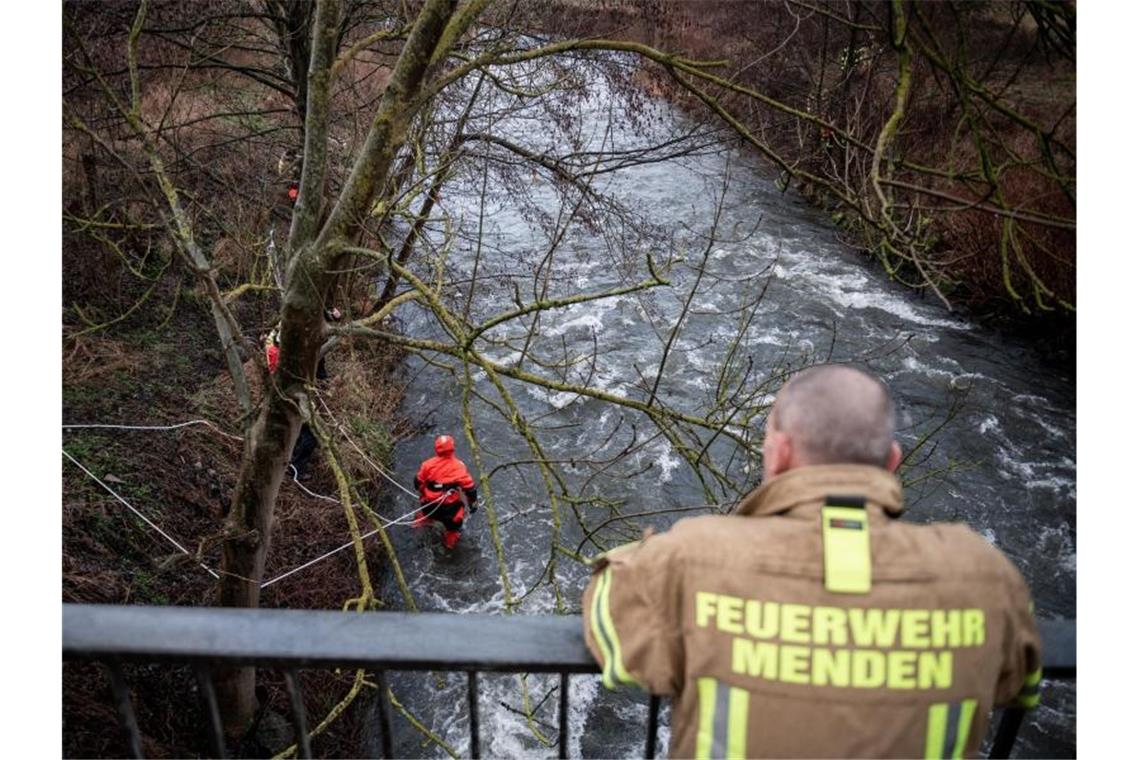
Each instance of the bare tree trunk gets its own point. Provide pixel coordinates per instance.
(291, 20)
(303, 329)
(271, 439)
(243, 555)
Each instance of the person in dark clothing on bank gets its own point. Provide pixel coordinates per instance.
(306, 440)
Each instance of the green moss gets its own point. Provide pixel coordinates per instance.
(373, 437)
(82, 447)
(144, 588)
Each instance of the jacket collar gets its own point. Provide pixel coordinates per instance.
(811, 485)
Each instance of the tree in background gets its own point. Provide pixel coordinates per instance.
(941, 136)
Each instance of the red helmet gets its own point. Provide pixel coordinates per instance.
(444, 445)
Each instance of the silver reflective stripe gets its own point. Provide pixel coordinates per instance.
(953, 714)
(720, 722)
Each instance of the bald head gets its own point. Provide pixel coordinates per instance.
(833, 414)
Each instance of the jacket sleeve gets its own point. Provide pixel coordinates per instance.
(1019, 684)
(624, 611)
(466, 482)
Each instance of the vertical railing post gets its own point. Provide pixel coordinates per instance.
(1007, 732)
(127, 722)
(385, 718)
(473, 710)
(300, 725)
(563, 720)
(210, 706)
(651, 736)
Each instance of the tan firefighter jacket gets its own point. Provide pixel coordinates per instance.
(809, 623)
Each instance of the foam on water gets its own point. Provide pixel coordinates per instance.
(890, 303)
(1054, 484)
(556, 399)
(589, 321)
(1052, 430)
(583, 692)
(1057, 544)
(956, 378)
(1012, 467)
(666, 462)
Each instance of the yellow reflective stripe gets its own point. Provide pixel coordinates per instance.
(846, 550)
(935, 730)
(722, 724)
(948, 728)
(599, 636)
(965, 720)
(737, 723)
(1029, 702)
(1030, 695)
(618, 668)
(706, 708)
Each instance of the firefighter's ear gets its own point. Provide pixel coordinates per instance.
(778, 453)
(894, 459)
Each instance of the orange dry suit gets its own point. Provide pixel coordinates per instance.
(272, 355)
(443, 481)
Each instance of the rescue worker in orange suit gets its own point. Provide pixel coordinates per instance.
(447, 491)
(810, 622)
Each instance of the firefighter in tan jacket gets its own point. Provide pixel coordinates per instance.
(810, 623)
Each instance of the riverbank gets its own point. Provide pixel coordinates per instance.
(980, 186)
(166, 369)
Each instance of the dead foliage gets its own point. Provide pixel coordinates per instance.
(90, 358)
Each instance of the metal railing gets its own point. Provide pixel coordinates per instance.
(210, 637)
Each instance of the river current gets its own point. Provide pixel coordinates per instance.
(995, 418)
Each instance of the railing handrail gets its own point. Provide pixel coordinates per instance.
(292, 639)
(389, 640)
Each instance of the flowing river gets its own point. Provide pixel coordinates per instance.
(995, 418)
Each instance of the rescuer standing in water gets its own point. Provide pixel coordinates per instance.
(810, 623)
(447, 491)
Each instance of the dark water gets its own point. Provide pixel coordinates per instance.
(1002, 456)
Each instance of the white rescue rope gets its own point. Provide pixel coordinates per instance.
(351, 442)
(140, 514)
(326, 555)
(401, 520)
(158, 427)
(388, 523)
